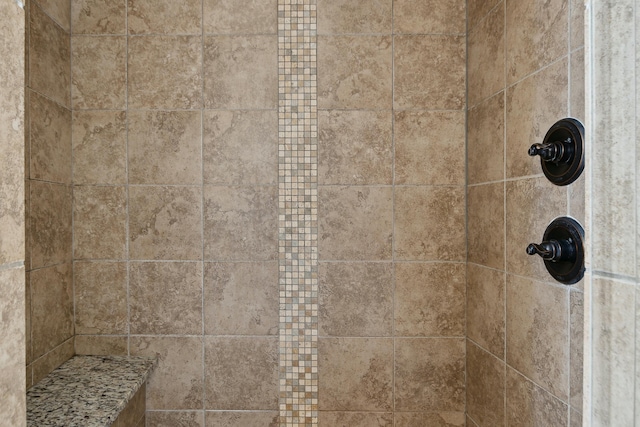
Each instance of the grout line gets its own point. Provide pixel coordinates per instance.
(202, 204)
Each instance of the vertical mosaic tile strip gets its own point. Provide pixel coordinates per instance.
(298, 212)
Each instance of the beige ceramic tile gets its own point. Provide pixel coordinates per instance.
(50, 140)
(98, 16)
(27, 312)
(253, 17)
(50, 361)
(99, 147)
(577, 89)
(355, 147)
(51, 307)
(575, 418)
(241, 298)
(429, 223)
(355, 223)
(355, 72)
(240, 223)
(478, 9)
(14, 246)
(241, 373)
(485, 228)
(176, 383)
(486, 308)
(485, 140)
(242, 419)
(529, 405)
(576, 350)
(429, 17)
(165, 72)
(429, 72)
(99, 72)
(102, 345)
(355, 419)
(538, 333)
(58, 10)
(175, 418)
(577, 199)
(99, 222)
(240, 72)
(533, 39)
(429, 299)
(360, 16)
(165, 147)
(355, 299)
(164, 17)
(429, 374)
(50, 224)
(165, 223)
(357, 374)
(485, 387)
(134, 410)
(100, 298)
(240, 147)
(49, 57)
(533, 106)
(531, 205)
(486, 57)
(577, 16)
(165, 298)
(429, 147)
(431, 419)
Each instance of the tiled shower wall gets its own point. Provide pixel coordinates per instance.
(524, 347)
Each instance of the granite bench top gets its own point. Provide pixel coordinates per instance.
(86, 391)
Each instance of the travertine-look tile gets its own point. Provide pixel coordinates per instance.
(49, 57)
(429, 374)
(429, 17)
(165, 222)
(99, 222)
(240, 223)
(241, 373)
(355, 223)
(532, 38)
(51, 307)
(577, 13)
(531, 205)
(429, 147)
(165, 72)
(355, 419)
(101, 345)
(577, 86)
(133, 411)
(575, 418)
(485, 386)
(175, 418)
(530, 406)
(354, 72)
(429, 299)
(486, 308)
(165, 147)
(355, 299)
(241, 72)
(357, 374)
(177, 381)
(431, 419)
(50, 224)
(50, 140)
(58, 10)
(27, 319)
(538, 333)
(14, 222)
(51, 360)
(99, 147)
(164, 17)
(241, 298)
(429, 72)
(165, 298)
(478, 9)
(355, 147)
(359, 16)
(485, 140)
(429, 223)
(99, 72)
(240, 147)
(485, 216)
(533, 106)
(98, 16)
(253, 17)
(486, 57)
(100, 297)
(576, 349)
(241, 419)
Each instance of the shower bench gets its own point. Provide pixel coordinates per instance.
(91, 391)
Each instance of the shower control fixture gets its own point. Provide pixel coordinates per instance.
(562, 151)
(562, 250)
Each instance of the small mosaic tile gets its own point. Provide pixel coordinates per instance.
(298, 212)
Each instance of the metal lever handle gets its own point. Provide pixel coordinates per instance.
(548, 151)
(547, 250)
